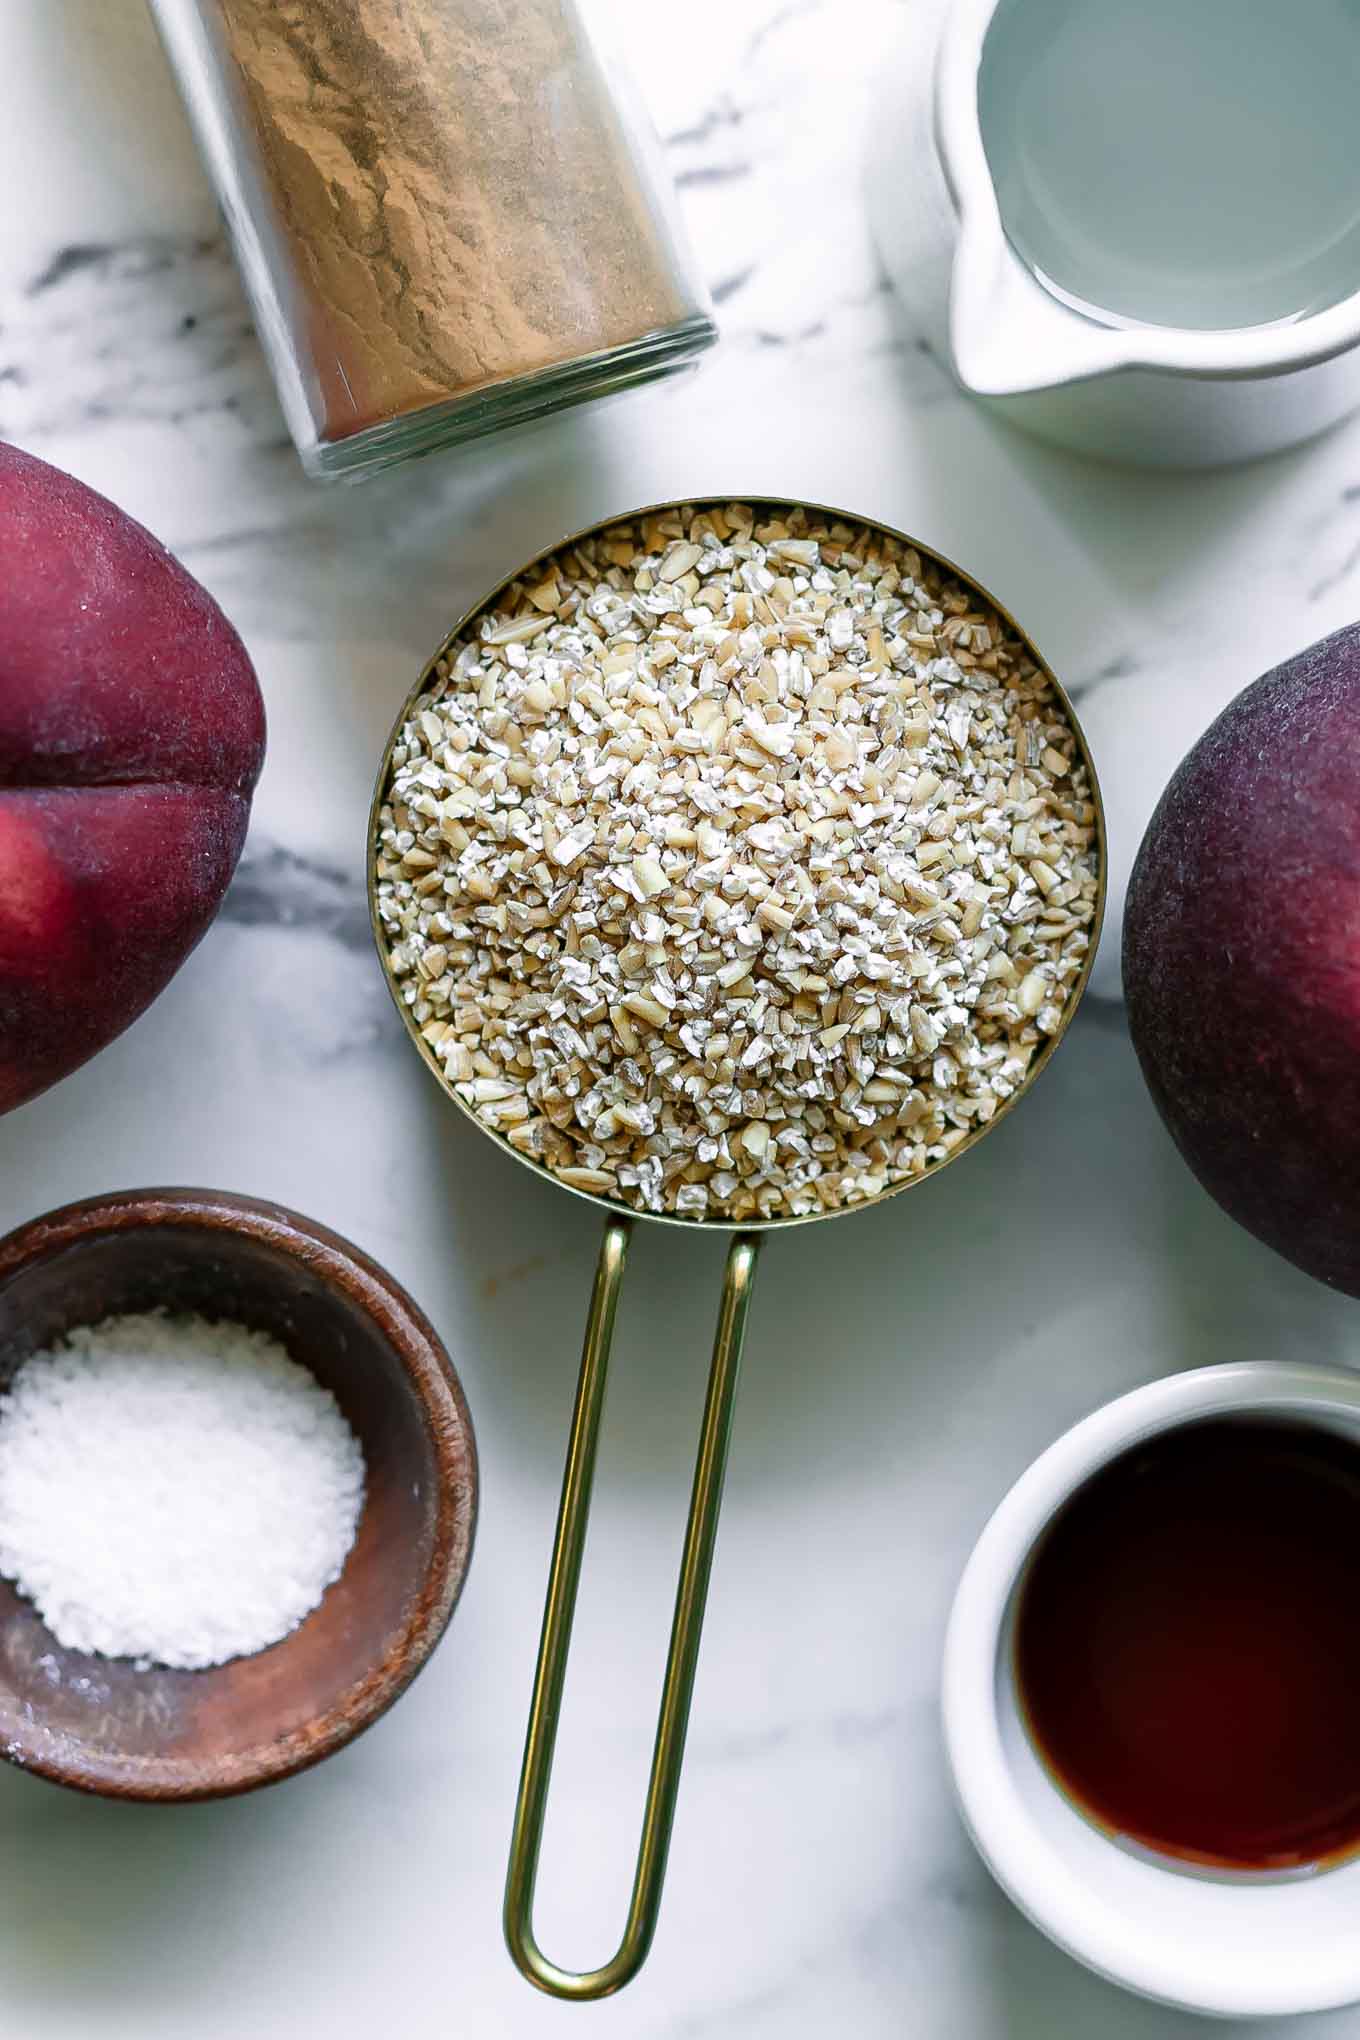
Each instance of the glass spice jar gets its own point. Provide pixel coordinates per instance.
(449, 214)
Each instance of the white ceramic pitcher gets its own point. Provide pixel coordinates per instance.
(1153, 395)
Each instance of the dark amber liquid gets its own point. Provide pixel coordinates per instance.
(1187, 1645)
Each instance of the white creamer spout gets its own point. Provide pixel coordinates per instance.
(1007, 335)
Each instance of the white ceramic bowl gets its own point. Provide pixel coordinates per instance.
(1232, 1946)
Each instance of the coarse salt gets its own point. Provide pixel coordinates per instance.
(174, 1490)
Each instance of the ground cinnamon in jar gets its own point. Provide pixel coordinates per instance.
(449, 202)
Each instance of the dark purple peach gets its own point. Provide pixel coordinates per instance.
(1242, 959)
(131, 738)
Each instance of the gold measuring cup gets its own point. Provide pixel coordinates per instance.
(583, 1441)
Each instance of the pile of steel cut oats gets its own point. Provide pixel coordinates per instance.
(738, 864)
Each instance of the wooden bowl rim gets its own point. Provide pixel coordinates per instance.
(434, 1384)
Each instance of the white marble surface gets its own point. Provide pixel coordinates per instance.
(901, 1370)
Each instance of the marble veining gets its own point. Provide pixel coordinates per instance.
(276, 888)
(901, 1370)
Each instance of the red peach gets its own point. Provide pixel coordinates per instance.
(131, 737)
(1242, 959)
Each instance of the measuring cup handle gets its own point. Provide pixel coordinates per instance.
(560, 1608)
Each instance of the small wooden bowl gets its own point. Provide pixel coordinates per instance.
(105, 1726)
